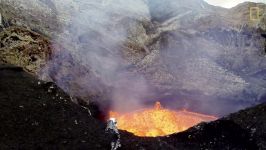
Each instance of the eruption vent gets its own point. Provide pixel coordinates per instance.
(158, 121)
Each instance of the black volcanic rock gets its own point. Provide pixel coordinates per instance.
(209, 58)
(37, 115)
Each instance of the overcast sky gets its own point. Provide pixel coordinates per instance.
(230, 3)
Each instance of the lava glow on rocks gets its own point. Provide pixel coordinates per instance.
(158, 121)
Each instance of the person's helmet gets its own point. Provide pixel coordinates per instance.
(113, 120)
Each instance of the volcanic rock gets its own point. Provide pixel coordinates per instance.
(190, 51)
(205, 58)
(34, 118)
(24, 48)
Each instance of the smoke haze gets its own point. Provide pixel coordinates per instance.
(135, 50)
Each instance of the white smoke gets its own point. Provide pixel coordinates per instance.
(95, 38)
(192, 62)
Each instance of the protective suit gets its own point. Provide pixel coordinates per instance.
(111, 129)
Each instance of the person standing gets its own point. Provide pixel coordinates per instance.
(112, 129)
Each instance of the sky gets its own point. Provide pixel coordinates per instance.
(230, 3)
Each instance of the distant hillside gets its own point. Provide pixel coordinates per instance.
(199, 56)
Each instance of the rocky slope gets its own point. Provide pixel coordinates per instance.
(25, 48)
(209, 58)
(38, 115)
(187, 53)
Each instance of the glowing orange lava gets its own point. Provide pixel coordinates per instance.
(158, 121)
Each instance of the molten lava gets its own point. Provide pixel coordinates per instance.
(158, 121)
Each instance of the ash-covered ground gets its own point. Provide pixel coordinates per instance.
(38, 115)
